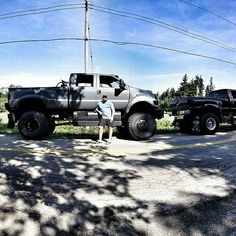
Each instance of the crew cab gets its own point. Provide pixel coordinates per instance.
(37, 109)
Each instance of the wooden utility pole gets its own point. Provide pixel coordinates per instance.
(86, 37)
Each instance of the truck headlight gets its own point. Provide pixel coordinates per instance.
(183, 112)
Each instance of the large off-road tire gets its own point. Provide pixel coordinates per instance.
(210, 123)
(51, 127)
(33, 125)
(141, 126)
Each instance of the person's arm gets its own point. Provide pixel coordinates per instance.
(112, 112)
(98, 111)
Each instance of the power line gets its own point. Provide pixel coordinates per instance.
(162, 24)
(40, 9)
(164, 48)
(41, 40)
(121, 43)
(211, 12)
(73, 6)
(40, 12)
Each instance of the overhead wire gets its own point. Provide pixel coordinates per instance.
(41, 8)
(164, 48)
(40, 12)
(40, 40)
(122, 43)
(162, 24)
(211, 12)
(119, 13)
(95, 7)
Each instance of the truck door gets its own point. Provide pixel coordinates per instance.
(225, 99)
(110, 86)
(233, 101)
(83, 92)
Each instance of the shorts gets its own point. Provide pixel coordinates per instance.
(105, 122)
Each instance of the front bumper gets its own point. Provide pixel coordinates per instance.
(178, 121)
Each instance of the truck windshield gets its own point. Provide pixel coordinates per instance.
(221, 94)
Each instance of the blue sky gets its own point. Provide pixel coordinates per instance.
(44, 64)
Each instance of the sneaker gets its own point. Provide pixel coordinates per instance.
(108, 141)
(100, 141)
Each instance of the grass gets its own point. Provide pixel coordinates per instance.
(5, 130)
(163, 126)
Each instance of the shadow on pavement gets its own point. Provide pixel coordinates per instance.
(49, 193)
(89, 192)
(209, 214)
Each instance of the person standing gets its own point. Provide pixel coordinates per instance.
(106, 112)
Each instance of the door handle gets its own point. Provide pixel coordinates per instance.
(99, 91)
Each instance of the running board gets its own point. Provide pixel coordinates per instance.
(88, 118)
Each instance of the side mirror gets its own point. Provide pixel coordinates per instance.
(122, 84)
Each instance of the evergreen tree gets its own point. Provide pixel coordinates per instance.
(184, 87)
(193, 88)
(210, 87)
(199, 86)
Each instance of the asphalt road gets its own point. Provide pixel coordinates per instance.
(173, 184)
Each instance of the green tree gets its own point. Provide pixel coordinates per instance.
(184, 87)
(15, 86)
(198, 86)
(210, 87)
(194, 88)
(166, 97)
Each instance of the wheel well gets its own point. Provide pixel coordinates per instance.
(30, 105)
(141, 107)
(209, 109)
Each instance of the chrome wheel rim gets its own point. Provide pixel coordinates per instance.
(211, 123)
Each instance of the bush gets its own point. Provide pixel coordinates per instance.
(165, 126)
(3, 100)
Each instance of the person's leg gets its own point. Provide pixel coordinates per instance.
(110, 133)
(100, 133)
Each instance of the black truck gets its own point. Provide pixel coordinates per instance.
(204, 114)
(36, 110)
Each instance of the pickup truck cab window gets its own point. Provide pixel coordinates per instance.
(85, 81)
(110, 86)
(220, 94)
(82, 92)
(109, 82)
(233, 94)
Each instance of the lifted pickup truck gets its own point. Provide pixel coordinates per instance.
(37, 109)
(204, 114)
